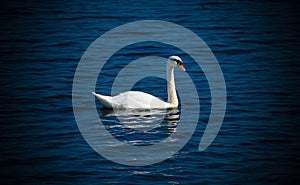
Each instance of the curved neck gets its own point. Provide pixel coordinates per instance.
(172, 96)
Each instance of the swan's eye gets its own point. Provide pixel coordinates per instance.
(179, 62)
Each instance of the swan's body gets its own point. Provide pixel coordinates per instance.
(132, 99)
(141, 100)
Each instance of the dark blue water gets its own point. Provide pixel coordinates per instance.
(255, 42)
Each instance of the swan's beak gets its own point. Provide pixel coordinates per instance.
(181, 67)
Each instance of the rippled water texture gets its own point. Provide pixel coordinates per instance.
(255, 42)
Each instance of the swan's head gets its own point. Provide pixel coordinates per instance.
(175, 60)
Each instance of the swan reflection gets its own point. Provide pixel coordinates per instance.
(143, 126)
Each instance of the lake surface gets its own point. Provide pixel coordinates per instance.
(255, 42)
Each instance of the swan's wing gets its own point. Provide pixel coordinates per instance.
(105, 100)
(138, 100)
(133, 100)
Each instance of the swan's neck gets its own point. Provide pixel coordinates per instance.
(172, 96)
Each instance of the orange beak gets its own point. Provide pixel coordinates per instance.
(181, 67)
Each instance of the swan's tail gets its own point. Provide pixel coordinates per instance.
(105, 100)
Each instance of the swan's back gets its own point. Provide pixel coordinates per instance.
(132, 99)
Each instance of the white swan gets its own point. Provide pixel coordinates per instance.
(141, 100)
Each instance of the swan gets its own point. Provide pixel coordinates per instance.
(141, 100)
